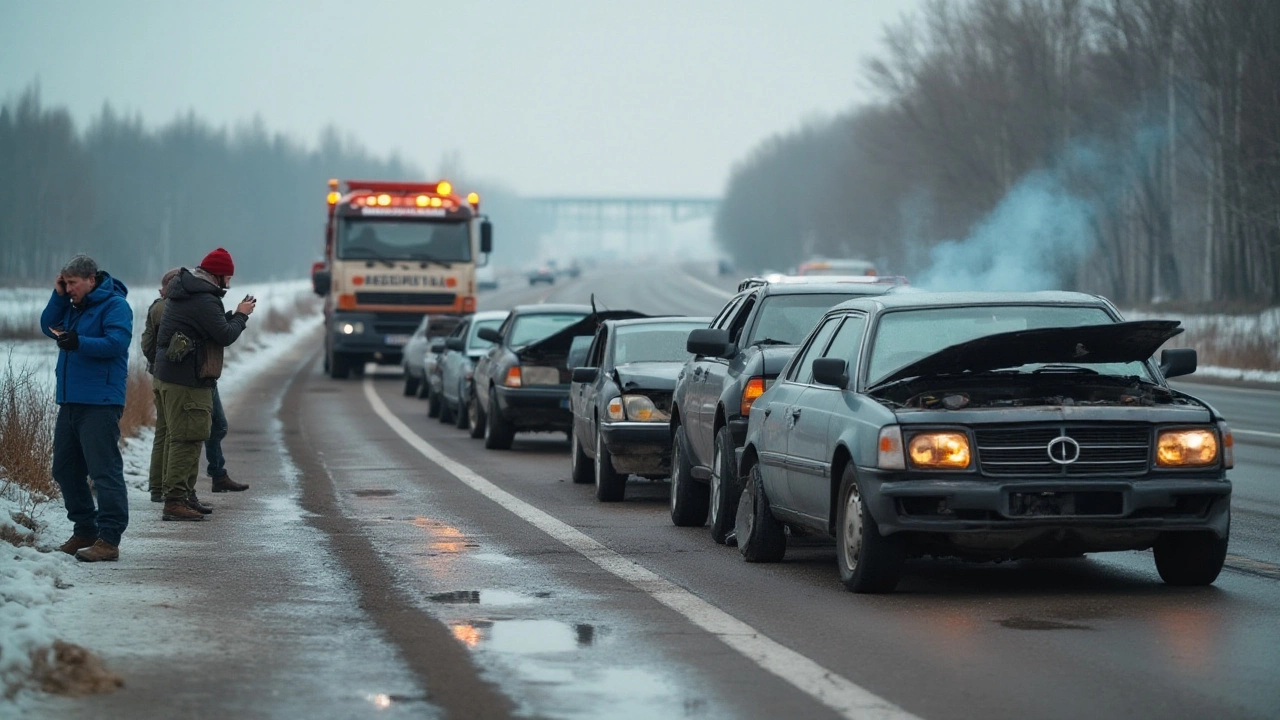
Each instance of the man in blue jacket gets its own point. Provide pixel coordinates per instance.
(92, 323)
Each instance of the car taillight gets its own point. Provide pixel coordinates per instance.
(753, 389)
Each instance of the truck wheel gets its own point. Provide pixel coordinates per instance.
(433, 402)
(761, 538)
(611, 485)
(499, 433)
(478, 419)
(1189, 558)
(725, 486)
(580, 468)
(689, 498)
(869, 562)
(410, 383)
(339, 366)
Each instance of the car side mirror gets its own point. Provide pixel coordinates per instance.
(321, 281)
(455, 343)
(489, 334)
(1178, 361)
(486, 237)
(585, 374)
(437, 346)
(713, 342)
(831, 371)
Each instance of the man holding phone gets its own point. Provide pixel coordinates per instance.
(92, 323)
(194, 330)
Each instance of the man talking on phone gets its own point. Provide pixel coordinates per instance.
(194, 331)
(92, 323)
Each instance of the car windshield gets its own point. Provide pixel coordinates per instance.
(532, 328)
(478, 343)
(787, 319)
(905, 336)
(653, 342)
(362, 238)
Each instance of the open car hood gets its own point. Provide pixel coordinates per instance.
(1084, 344)
(649, 375)
(557, 345)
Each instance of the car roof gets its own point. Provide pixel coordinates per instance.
(658, 320)
(922, 298)
(815, 285)
(550, 309)
(490, 315)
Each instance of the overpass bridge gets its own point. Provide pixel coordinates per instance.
(622, 228)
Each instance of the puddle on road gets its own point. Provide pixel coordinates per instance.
(376, 492)
(384, 700)
(524, 637)
(485, 597)
(1022, 623)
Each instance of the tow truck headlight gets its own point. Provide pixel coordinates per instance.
(642, 409)
(351, 328)
(535, 375)
(1186, 448)
(939, 450)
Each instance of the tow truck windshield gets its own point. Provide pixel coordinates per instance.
(444, 242)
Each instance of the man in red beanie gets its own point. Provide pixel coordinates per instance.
(189, 350)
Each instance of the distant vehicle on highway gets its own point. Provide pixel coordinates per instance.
(621, 401)
(836, 267)
(411, 359)
(457, 366)
(542, 274)
(986, 426)
(734, 361)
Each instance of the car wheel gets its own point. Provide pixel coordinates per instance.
(462, 419)
(410, 383)
(499, 433)
(1190, 558)
(478, 420)
(869, 562)
(446, 412)
(339, 367)
(579, 464)
(761, 538)
(689, 498)
(725, 486)
(424, 390)
(611, 485)
(433, 402)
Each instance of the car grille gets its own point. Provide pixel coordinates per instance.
(1104, 450)
(403, 298)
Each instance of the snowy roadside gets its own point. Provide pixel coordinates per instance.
(33, 579)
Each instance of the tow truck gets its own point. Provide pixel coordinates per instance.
(394, 252)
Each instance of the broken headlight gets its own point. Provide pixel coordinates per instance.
(1186, 448)
(947, 450)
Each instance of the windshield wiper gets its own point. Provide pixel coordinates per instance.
(423, 257)
(1063, 369)
(771, 341)
(376, 255)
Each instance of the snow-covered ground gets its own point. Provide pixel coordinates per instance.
(31, 578)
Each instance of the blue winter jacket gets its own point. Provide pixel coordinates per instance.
(94, 373)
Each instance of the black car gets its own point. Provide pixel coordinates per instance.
(734, 361)
(522, 382)
(621, 402)
(986, 426)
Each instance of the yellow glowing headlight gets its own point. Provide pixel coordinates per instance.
(939, 451)
(642, 409)
(1186, 448)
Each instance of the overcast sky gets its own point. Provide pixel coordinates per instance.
(555, 97)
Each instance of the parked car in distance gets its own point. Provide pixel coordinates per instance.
(457, 365)
(542, 274)
(522, 381)
(734, 361)
(621, 402)
(986, 426)
(411, 359)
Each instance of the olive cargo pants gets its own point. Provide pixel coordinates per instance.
(188, 416)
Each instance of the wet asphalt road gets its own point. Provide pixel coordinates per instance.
(498, 616)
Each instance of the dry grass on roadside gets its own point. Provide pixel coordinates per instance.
(1231, 349)
(27, 415)
(19, 328)
(73, 671)
(139, 402)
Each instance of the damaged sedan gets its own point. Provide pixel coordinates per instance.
(986, 426)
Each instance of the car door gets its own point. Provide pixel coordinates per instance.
(817, 419)
(451, 365)
(582, 396)
(785, 411)
(716, 374)
(692, 389)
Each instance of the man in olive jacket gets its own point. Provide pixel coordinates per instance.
(189, 351)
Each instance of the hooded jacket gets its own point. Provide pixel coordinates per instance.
(95, 373)
(193, 307)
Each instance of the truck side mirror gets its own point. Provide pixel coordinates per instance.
(321, 280)
(486, 237)
(489, 334)
(831, 371)
(1178, 361)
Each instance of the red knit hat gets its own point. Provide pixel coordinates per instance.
(218, 262)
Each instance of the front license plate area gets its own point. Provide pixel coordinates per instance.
(397, 340)
(1052, 503)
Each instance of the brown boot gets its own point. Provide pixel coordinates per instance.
(194, 503)
(76, 543)
(177, 509)
(226, 484)
(101, 550)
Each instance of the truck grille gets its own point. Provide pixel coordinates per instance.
(1103, 450)
(404, 298)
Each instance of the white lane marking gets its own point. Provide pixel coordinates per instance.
(1254, 433)
(847, 699)
(708, 286)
